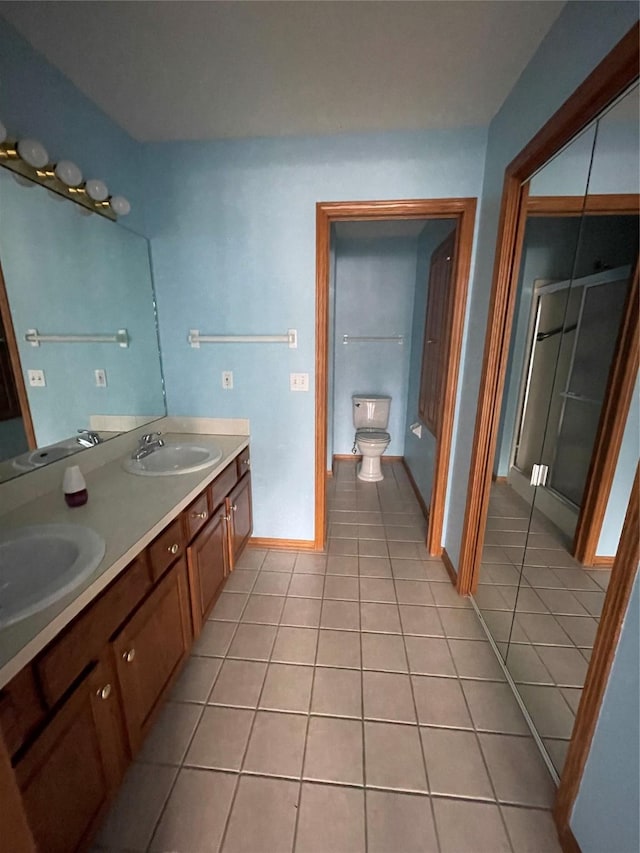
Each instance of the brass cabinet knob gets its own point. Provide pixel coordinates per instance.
(226, 517)
(247, 462)
(129, 655)
(197, 515)
(104, 692)
(173, 549)
(234, 507)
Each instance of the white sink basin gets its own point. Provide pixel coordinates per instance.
(44, 455)
(174, 459)
(40, 564)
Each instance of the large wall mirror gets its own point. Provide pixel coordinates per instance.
(84, 283)
(541, 591)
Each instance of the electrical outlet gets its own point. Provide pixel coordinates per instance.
(298, 381)
(101, 378)
(227, 379)
(36, 378)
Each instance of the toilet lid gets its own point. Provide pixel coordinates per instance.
(376, 436)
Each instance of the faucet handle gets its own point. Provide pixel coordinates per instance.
(148, 437)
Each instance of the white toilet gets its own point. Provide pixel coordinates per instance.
(370, 418)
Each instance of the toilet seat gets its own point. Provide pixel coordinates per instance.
(373, 436)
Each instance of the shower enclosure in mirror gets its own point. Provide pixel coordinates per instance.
(577, 298)
(84, 284)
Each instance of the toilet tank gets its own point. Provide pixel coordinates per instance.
(370, 411)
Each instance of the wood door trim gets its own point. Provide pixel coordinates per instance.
(282, 544)
(613, 419)
(625, 569)
(617, 71)
(574, 205)
(461, 209)
(16, 365)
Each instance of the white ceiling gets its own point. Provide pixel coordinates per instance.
(204, 70)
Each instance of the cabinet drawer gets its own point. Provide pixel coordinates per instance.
(166, 549)
(21, 709)
(66, 658)
(222, 485)
(243, 462)
(195, 516)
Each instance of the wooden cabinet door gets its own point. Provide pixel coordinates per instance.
(70, 772)
(150, 649)
(241, 518)
(208, 566)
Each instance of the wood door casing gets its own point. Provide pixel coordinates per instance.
(437, 332)
(241, 523)
(207, 559)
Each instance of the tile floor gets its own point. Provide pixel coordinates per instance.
(542, 608)
(340, 703)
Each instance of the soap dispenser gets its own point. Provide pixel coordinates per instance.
(74, 487)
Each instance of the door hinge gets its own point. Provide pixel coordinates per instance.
(539, 475)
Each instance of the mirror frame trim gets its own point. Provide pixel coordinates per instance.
(617, 71)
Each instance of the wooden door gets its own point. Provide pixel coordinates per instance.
(70, 773)
(241, 518)
(150, 650)
(208, 563)
(437, 333)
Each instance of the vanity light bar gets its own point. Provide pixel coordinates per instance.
(195, 339)
(34, 338)
(349, 339)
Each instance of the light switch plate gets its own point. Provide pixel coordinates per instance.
(36, 378)
(101, 378)
(298, 381)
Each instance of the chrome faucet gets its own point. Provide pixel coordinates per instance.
(88, 438)
(148, 442)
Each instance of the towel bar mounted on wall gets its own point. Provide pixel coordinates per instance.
(195, 339)
(35, 338)
(350, 339)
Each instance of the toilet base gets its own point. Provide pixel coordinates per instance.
(370, 469)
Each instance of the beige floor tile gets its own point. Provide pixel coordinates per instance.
(196, 680)
(383, 652)
(331, 819)
(338, 648)
(371, 531)
(263, 609)
(306, 586)
(337, 692)
(581, 629)
(550, 713)
(399, 822)
(278, 561)
(220, 738)
(388, 696)
(440, 702)
(263, 816)
(566, 666)
(295, 645)
(413, 592)
(493, 707)
(251, 558)
(525, 665)
(591, 601)
(409, 569)
(572, 696)
(429, 656)
(252, 642)
(272, 583)
(135, 812)
(340, 615)
(196, 812)
(475, 659)
(375, 567)
(446, 595)
(276, 745)
(461, 624)
(341, 588)
(562, 601)
(229, 606)
(467, 827)
(455, 765)
(241, 580)
(287, 687)
(310, 564)
(407, 550)
(343, 564)
(301, 612)
(394, 757)
(170, 736)
(557, 750)
(214, 639)
(380, 617)
(421, 620)
(343, 547)
(531, 830)
(239, 683)
(343, 531)
(372, 548)
(517, 770)
(377, 589)
(334, 750)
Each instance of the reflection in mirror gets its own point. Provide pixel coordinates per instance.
(579, 255)
(67, 272)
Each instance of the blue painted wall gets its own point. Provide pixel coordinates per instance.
(233, 241)
(605, 816)
(582, 35)
(419, 453)
(375, 281)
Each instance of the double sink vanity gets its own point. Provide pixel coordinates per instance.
(84, 671)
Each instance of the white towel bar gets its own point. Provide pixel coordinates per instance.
(195, 339)
(348, 339)
(35, 338)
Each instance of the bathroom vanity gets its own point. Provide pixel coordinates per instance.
(75, 708)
